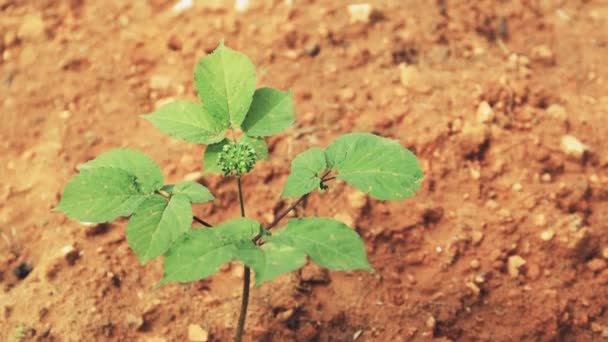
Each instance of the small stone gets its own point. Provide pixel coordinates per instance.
(360, 12)
(546, 178)
(556, 111)
(476, 237)
(573, 147)
(474, 288)
(485, 113)
(412, 78)
(32, 27)
(135, 321)
(160, 82)
(70, 254)
(473, 138)
(65, 114)
(193, 176)
(480, 278)
(515, 264)
(605, 253)
(312, 50)
(357, 200)
(23, 270)
(344, 218)
(241, 5)
(547, 235)
(347, 94)
(475, 264)
(596, 327)
(539, 220)
(543, 54)
(197, 334)
(431, 322)
(517, 187)
(182, 5)
(596, 265)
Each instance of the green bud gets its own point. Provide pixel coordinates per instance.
(237, 158)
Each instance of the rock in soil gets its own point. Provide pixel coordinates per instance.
(514, 265)
(573, 147)
(23, 270)
(197, 334)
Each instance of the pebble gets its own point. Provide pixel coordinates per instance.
(347, 94)
(431, 322)
(543, 54)
(22, 270)
(473, 137)
(193, 176)
(485, 113)
(182, 5)
(135, 321)
(312, 50)
(160, 82)
(605, 253)
(515, 264)
(477, 237)
(70, 254)
(597, 265)
(557, 111)
(357, 200)
(547, 235)
(474, 288)
(517, 187)
(32, 27)
(360, 12)
(241, 5)
(475, 264)
(573, 147)
(197, 333)
(412, 78)
(345, 218)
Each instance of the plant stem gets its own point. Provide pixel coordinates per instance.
(246, 279)
(201, 221)
(276, 221)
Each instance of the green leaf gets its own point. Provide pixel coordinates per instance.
(305, 171)
(376, 165)
(147, 174)
(258, 144)
(100, 195)
(328, 242)
(195, 192)
(189, 121)
(225, 81)
(271, 111)
(278, 259)
(200, 252)
(212, 156)
(157, 223)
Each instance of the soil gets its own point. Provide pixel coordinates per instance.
(504, 102)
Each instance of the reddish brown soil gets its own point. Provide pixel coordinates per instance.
(74, 87)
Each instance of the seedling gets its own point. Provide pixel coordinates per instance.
(233, 120)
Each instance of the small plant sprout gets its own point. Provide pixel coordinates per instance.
(125, 182)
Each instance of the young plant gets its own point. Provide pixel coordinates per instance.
(125, 182)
